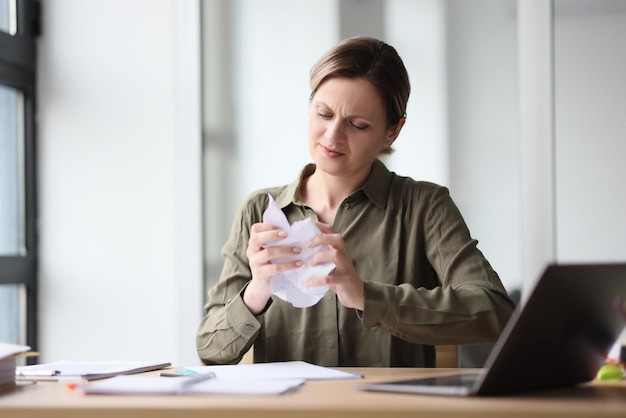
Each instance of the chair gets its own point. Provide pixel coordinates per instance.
(447, 356)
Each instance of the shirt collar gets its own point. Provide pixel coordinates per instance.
(376, 186)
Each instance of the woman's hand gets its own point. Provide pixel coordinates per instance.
(344, 280)
(260, 259)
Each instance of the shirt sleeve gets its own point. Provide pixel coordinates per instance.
(470, 305)
(228, 328)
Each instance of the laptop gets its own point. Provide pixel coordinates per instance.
(559, 337)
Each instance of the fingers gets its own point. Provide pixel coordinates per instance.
(332, 240)
(276, 256)
(262, 233)
(269, 262)
(329, 255)
(343, 280)
(319, 281)
(348, 288)
(265, 262)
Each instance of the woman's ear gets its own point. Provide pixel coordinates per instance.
(394, 131)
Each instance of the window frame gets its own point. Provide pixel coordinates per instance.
(18, 71)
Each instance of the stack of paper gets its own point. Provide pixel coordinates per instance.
(8, 363)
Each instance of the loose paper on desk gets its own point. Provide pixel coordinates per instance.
(148, 385)
(278, 370)
(272, 378)
(291, 286)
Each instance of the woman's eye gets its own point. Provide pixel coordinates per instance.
(324, 115)
(359, 127)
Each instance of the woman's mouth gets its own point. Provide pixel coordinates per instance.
(330, 153)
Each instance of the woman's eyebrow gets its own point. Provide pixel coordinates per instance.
(320, 103)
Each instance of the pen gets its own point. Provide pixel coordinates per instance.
(27, 354)
(179, 373)
(188, 382)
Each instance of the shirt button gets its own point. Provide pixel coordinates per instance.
(346, 206)
(249, 327)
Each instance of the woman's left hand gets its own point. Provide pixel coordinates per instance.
(344, 280)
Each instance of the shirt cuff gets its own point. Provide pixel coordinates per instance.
(378, 306)
(244, 322)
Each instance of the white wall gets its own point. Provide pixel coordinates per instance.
(276, 43)
(119, 209)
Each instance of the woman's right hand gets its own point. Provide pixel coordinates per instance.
(260, 259)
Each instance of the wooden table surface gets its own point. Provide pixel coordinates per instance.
(319, 399)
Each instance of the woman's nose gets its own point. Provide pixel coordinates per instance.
(334, 131)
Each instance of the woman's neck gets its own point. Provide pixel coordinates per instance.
(324, 193)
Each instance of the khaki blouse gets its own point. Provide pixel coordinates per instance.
(426, 283)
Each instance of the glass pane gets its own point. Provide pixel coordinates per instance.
(590, 98)
(481, 119)
(11, 167)
(10, 314)
(8, 17)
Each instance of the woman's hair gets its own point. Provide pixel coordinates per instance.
(373, 60)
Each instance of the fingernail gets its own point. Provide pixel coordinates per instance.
(299, 263)
(297, 249)
(282, 233)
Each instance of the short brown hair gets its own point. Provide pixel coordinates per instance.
(373, 60)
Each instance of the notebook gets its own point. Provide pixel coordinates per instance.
(559, 337)
(85, 370)
(8, 361)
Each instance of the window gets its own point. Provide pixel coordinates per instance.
(19, 25)
(461, 57)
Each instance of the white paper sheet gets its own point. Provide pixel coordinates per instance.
(149, 385)
(291, 286)
(275, 371)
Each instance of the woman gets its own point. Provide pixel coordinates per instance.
(407, 273)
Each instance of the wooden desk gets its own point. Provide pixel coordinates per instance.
(318, 399)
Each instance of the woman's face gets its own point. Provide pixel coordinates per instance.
(348, 126)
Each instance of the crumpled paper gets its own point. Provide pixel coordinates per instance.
(291, 285)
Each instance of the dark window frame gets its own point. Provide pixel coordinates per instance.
(18, 70)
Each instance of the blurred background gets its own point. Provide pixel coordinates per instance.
(155, 118)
